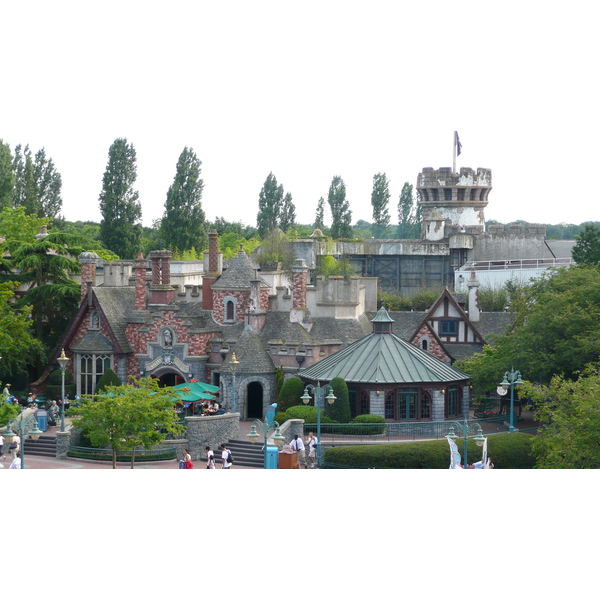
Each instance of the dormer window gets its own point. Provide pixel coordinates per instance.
(230, 305)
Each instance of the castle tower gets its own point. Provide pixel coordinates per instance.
(453, 204)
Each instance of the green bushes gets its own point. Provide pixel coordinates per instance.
(290, 394)
(109, 377)
(507, 451)
(340, 410)
(376, 422)
(54, 387)
(308, 413)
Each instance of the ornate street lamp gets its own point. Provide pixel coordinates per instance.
(62, 363)
(511, 378)
(479, 439)
(266, 426)
(319, 395)
(233, 365)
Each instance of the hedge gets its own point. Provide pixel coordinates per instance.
(506, 450)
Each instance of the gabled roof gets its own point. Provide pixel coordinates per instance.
(238, 275)
(252, 355)
(383, 358)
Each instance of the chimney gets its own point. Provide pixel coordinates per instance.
(473, 303)
(213, 270)
(161, 290)
(299, 279)
(140, 282)
(88, 261)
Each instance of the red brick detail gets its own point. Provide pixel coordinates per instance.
(433, 346)
(299, 289)
(213, 252)
(140, 283)
(88, 273)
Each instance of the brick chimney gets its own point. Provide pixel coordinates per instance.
(88, 261)
(161, 290)
(299, 279)
(140, 282)
(213, 270)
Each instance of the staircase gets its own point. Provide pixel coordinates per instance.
(246, 454)
(44, 446)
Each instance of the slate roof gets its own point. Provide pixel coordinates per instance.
(93, 341)
(252, 355)
(116, 302)
(240, 271)
(383, 358)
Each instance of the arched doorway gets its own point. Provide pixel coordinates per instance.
(170, 379)
(255, 401)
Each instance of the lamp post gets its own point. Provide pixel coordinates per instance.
(233, 365)
(266, 425)
(479, 439)
(319, 395)
(511, 378)
(62, 363)
(34, 433)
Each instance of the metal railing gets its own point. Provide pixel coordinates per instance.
(384, 433)
(141, 455)
(520, 263)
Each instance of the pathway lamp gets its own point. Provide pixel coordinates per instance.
(22, 423)
(62, 363)
(267, 425)
(233, 365)
(319, 394)
(464, 426)
(511, 378)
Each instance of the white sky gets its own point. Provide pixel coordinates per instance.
(310, 90)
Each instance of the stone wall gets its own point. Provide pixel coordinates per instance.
(210, 431)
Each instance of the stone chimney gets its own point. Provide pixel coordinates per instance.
(140, 282)
(299, 282)
(213, 270)
(473, 303)
(88, 261)
(161, 290)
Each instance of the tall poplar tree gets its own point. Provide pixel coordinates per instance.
(380, 197)
(7, 177)
(120, 228)
(409, 214)
(341, 215)
(37, 183)
(270, 202)
(183, 225)
(320, 216)
(287, 217)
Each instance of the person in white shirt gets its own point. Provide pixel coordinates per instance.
(16, 463)
(210, 458)
(225, 457)
(298, 447)
(312, 448)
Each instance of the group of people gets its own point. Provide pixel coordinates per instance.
(299, 447)
(226, 459)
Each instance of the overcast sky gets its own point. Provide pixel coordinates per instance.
(309, 90)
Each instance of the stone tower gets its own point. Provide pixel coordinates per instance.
(453, 203)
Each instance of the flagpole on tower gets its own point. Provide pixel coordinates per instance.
(456, 148)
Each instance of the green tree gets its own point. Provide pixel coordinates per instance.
(586, 251)
(120, 229)
(37, 183)
(340, 410)
(287, 217)
(290, 394)
(7, 176)
(279, 379)
(320, 215)
(570, 435)
(127, 417)
(380, 198)
(270, 201)
(409, 214)
(183, 225)
(556, 331)
(341, 215)
(18, 345)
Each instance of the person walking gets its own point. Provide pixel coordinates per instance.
(187, 459)
(6, 394)
(298, 447)
(225, 457)
(1, 448)
(210, 458)
(16, 463)
(312, 448)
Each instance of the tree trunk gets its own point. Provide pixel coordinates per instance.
(132, 457)
(114, 452)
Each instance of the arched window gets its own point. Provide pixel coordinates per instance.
(230, 311)
(424, 344)
(425, 405)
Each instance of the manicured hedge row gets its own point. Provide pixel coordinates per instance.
(507, 451)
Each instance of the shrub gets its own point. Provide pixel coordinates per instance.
(290, 394)
(376, 422)
(340, 410)
(506, 450)
(54, 387)
(109, 377)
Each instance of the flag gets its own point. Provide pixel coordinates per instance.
(457, 143)
(454, 455)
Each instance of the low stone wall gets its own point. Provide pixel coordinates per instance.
(210, 431)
